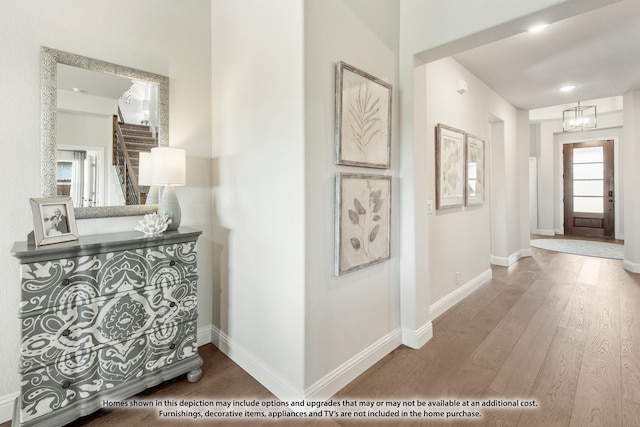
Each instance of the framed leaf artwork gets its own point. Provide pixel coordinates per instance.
(450, 183)
(363, 118)
(363, 221)
(474, 164)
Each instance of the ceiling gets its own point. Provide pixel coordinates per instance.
(598, 51)
(91, 82)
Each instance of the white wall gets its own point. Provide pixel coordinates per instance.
(631, 173)
(460, 239)
(259, 179)
(350, 314)
(151, 35)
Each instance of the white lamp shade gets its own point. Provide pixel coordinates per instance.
(144, 169)
(169, 166)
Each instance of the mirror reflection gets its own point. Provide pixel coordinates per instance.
(104, 122)
(83, 116)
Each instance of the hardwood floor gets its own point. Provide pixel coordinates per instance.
(560, 329)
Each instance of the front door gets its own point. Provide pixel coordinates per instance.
(588, 189)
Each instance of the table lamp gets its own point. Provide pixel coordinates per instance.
(145, 176)
(169, 169)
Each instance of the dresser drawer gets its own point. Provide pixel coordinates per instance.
(79, 280)
(76, 329)
(84, 377)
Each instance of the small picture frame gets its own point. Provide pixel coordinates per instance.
(474, 163)
(363, 221)
(450, 183)
(362, 118)
(54, 220)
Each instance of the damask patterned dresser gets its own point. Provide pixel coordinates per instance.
(104, 318)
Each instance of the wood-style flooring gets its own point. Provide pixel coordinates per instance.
(560, 329)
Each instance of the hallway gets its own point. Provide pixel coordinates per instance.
(555, 328)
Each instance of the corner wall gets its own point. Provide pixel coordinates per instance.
(352, 320)
(462, 240)
(259, 185)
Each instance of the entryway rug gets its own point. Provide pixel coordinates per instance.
(581, 247)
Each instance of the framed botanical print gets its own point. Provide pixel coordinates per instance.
(363, 221)
(54, 220)
(449, 167)
(362, 118)
(474, 164)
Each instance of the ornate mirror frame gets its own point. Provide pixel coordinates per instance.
(50, 58)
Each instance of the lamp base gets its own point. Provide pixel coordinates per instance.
(169, 206)
(153, 195)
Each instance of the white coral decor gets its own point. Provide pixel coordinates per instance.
(153, 224)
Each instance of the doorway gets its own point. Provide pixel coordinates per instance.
(589, 189)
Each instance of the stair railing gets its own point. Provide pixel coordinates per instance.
(122, 162)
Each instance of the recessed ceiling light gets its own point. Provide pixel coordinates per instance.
(538, 28)
(567, 88)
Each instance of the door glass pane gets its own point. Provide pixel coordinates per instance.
(588, 171)
(588, 155)
(588, 204)
(588, 188)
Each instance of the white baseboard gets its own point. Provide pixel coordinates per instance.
(254, 367)
(514, 257)
(459, 294)
(335, 380)
(323, 389)
(633, 267)
(6, 406)
(204, 335)
(419, 337)
(545, 232)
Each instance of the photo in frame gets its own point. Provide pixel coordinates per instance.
(362, 118)
(450, 183)
(363, 221)
(54, 220)
(474, 161)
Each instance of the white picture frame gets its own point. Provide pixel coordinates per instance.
(474, 171)
(450, 184)
(54, 220)
(363, 221)
(362, 118)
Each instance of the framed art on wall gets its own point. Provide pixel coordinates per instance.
(362, 118)
(363, 221)
(54, 220)
(474, 163)
(449, 167)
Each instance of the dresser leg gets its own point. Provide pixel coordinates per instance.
(194, 376)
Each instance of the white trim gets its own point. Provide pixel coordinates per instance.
(6, 406)
(323, 389)
(514, 257)
(545, 232)
(633, 267)
(459, 294)
(533, 194)
(335, 380)
(255, 367)
(418, 337)
(204, 335)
